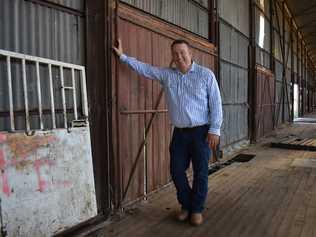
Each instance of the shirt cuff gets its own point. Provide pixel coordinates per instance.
(214, 131)
(123, 57)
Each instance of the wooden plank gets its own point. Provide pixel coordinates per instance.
(254, 220)
(273, 215)
(288, 217)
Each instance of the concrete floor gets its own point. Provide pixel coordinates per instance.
(274, 194)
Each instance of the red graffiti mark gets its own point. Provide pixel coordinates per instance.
(3, 137)
(5, 182)
(42, 184)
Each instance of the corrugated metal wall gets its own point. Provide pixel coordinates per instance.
(35, 29)
(73, 4)
(189, 14)
(234, 33)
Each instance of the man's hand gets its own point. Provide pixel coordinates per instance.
(118, 50)
(212, 140)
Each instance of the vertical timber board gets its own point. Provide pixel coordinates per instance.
(158, 173)
(98, 88)
(131, 93)
(264, 108)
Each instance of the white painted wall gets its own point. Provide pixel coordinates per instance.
(47, 182)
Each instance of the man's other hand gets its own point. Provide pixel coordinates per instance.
(212, 140)
(118, 49)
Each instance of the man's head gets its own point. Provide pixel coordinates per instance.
(181, 55)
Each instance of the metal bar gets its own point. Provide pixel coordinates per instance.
(51, 87)
(74, 92)
(33, 112)
(39, 96)
(58, 7)
(252, 79)
(292, 71)
(150, 111)
(27, 115)
(40, 60)
(272, 59)
(68, 87)
(10, 93)
(199, 5)
(84, 93)
(63, 97)
(211, 21)
(284, 63)
(234, 64)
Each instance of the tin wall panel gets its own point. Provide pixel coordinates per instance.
(184, 13)
(77, 4)
(234, 83)
(37, 30)
(235, 13)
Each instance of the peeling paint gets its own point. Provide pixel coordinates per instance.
(46, 181)
(22, 146)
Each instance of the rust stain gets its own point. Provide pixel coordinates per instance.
(23, 146)
(42, 184)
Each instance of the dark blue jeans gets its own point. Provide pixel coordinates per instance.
(190, 146)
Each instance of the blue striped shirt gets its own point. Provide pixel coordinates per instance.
(193, 98)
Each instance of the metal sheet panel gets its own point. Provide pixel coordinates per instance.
(233, 45)
(77, 4)
(225, 39)
(234, 83)
(37, 30)
(183, 13)
(236, 13)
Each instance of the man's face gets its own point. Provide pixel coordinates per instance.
(181, 56)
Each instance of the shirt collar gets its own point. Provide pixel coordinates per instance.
(192, 68)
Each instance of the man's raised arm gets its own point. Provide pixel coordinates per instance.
(141, 68)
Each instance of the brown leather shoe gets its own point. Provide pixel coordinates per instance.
(196, 219)
(182, 215)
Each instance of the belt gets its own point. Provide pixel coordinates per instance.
(190, 129)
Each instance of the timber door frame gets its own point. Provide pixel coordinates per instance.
(98, 54)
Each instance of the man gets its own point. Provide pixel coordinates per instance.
(195, 110)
